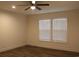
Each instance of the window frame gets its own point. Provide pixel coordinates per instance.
(51, 34)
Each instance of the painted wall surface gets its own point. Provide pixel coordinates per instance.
(12, 30)
(18, 30)
(72, 43)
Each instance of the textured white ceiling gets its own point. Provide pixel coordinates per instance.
(55, 6)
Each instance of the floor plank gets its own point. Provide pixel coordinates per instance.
(32, 51)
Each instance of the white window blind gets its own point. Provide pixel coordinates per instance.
(45, 30)
(55, 30)
(59, 29)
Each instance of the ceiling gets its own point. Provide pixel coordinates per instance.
(55, 6)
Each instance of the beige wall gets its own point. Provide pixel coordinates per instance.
(17, 30)
(12, 30)
(73, 31)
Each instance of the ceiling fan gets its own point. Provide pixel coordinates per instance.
(34, 5)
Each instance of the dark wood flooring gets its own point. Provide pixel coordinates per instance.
(32, 51)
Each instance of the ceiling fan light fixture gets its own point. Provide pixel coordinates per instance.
(33, 2)
(33, 7)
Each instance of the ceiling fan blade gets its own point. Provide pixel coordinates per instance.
(42, 4)
(27, 8)
(30, 3)
(38, 8)
(35, 2)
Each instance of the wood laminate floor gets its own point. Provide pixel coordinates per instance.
(32, 51)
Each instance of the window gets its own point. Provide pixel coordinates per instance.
(55, 30)
(59, 29)
(44, 30)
